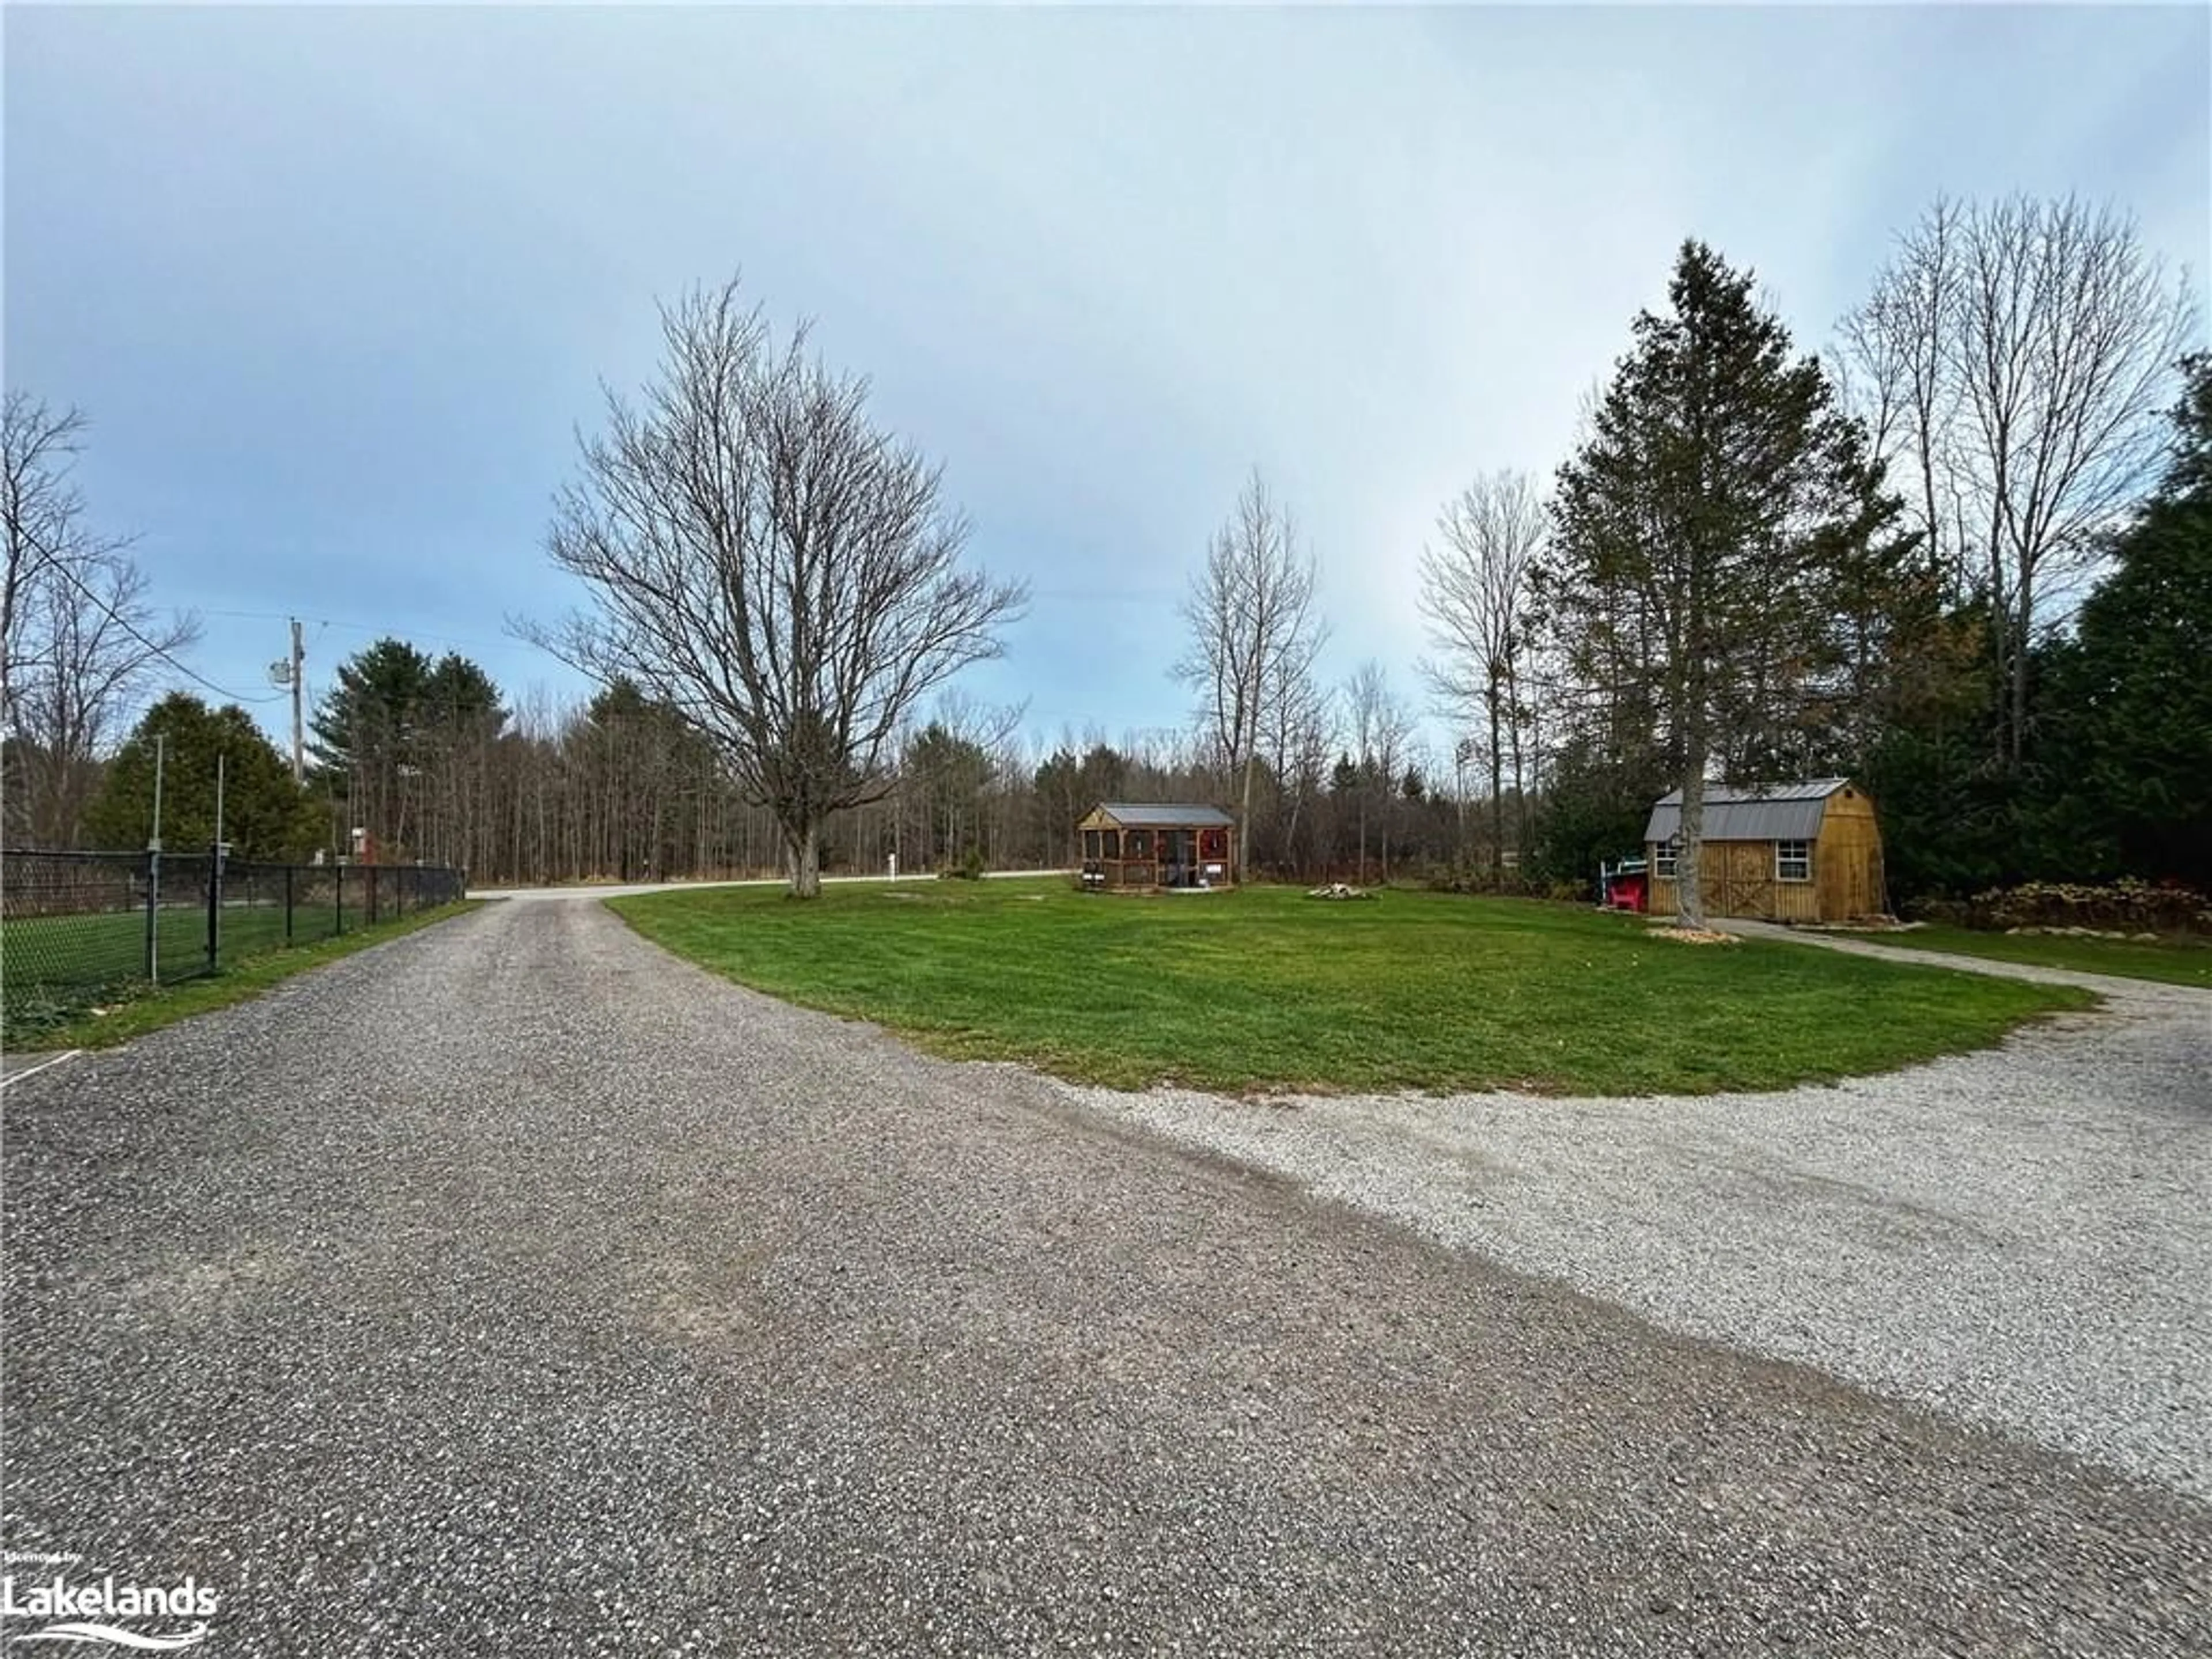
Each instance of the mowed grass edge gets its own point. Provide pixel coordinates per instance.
(149, 1008)
(2165, 962)
(1262, 989)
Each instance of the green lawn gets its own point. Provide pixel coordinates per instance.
(1264, 988)
(2171, 961)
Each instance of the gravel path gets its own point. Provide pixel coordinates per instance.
(2131, 994)
(513, 1288)
(2022, 1237)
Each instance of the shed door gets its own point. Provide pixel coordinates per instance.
(1746, 884)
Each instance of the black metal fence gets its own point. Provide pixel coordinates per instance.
(77, 927)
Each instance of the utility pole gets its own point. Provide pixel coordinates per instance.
(288, 671)
(299, 681)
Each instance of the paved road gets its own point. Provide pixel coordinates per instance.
(512, 1288)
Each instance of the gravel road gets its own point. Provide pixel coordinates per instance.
(513, 1288)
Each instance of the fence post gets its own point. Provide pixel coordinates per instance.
(288, 904)
(338, 887)
(152, 914)
(214, 905)
(373, 873)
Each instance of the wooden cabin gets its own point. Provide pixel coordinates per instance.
(1783, 852)
(1156, 844)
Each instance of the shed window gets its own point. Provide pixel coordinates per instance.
(1109, 843)
(1662, 864)
(1793, 860)
(1141, 844)
(1090, 845)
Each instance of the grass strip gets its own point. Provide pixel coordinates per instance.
(145, 1008)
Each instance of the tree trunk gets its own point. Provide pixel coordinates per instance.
(1497, 783)
(1524, 768)
(807, 862)
(1520, 780)
(1689, 894)
(1244, 821)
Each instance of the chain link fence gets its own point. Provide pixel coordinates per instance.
(78, 929)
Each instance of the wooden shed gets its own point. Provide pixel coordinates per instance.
(1783, 852)
(1154, 844)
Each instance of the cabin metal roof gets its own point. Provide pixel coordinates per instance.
(1774, 811)
(1145, 814)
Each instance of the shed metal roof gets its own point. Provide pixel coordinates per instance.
(1173, 815)
(1774, 811)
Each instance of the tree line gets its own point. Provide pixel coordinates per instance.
(1960, 556)
(1944, 559)
(421, 757)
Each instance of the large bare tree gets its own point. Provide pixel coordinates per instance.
(2014, 362)
(771, 563)
(80, 640)
(1476, 593)
(40, 507)
(1253, 636)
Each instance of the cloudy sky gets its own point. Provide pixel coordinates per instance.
(336, 286)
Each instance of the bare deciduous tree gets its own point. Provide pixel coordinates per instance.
(771, 563)
(1475, 593)
(2014, 363)
(42, 508)
(1300, 735)
(79, 641)
(1381, 729)
(1254, 636)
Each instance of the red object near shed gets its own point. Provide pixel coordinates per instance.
(1625, 885)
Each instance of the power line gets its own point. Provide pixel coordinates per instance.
(409, 635)
(120, 621)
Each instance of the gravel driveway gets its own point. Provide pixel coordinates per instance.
(2022, 1236)
(513, 1288)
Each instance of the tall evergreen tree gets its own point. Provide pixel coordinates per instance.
(2128, 754)
(363, 735)
(396, 738)
(266, 815)
(1725, 510)
(950, 772)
